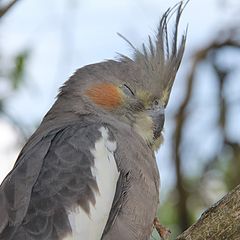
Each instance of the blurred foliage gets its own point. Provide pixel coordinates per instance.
(14, 78)
(17, 73)
(219, 173)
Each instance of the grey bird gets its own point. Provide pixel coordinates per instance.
(89, 171)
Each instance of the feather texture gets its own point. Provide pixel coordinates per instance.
(61, 181)
(90, 226)
(160, 59)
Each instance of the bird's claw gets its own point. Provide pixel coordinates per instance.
(163, 232)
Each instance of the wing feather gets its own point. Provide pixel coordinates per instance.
(54, 177)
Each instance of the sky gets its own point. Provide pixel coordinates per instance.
(62, 36)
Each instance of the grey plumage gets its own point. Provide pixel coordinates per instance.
(139, 189)
(57, 176)
(62, 179)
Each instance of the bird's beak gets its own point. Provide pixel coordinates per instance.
(158, 118)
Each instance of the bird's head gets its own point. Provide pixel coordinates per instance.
(132, 90)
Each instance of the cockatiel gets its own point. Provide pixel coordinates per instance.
(89, 171)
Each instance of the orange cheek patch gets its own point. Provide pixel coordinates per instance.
(106, 95)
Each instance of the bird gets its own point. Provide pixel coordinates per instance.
(89, 171)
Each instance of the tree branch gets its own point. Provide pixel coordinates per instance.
(4, 9)
(219, 222)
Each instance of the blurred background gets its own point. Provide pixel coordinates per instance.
(43, 42)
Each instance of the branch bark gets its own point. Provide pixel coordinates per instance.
(5, 9)
(219, 222)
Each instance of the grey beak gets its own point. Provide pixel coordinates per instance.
(158, 118)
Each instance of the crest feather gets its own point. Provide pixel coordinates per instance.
(161, 58)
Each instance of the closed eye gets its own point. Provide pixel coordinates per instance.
(127, 90)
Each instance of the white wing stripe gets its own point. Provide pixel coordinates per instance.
(85, 227)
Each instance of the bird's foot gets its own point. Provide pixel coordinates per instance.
(163, 232)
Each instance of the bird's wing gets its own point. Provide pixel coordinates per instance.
(15, 190)
(62, 187)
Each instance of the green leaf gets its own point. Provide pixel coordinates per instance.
(17, 73)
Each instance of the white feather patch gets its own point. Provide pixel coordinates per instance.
(91, 227)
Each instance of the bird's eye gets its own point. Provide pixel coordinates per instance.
(127, 90)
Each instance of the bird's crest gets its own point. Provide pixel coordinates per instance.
(161, 58)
